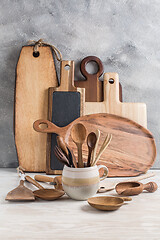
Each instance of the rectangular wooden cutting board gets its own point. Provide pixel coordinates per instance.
(111, 104)
(66, 103)
(34, 75)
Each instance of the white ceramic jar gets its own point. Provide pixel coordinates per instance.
(82, 183)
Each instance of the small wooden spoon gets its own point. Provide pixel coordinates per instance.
(107, 203)
(43, 193)
(91, 142)
(78, 135)
(135, 188)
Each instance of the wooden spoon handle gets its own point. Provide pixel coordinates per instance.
(127, 198)
(31, 180)
(80, 161)
(42, 178)
(150, 187)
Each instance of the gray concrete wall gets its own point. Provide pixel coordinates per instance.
(125, 35)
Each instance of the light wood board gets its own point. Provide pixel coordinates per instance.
(111, 104)
(34, 76)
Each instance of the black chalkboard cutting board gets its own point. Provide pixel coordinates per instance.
(66, 103)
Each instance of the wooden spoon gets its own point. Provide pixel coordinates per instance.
(91, 142)
(78, 135)
(107, 203)
(43, 193)
(135, 188)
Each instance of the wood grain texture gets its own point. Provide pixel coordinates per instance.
(34, 76)
(111, 104)
(66, 85)
(131, 152)
(93, 86)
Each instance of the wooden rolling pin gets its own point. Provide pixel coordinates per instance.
(57, 181)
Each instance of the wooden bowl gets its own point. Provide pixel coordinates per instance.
(107, 203)
(48, 194)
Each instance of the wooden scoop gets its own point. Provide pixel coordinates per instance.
(21, 193)
(45, 194)
(135, 188)
(107, 203)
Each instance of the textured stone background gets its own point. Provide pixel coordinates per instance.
(125, 35)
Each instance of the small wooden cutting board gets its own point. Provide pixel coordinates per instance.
(34, 76)
(111, 104)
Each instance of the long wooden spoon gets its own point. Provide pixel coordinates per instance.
(91, 142)
(43, 193)
(98, 133)
(78, 135)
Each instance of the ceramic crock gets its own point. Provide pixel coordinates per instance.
(82, 183)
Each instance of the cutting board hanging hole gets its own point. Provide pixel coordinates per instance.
(111, 80)
(36, 54)
(92, 67)
(67, 67)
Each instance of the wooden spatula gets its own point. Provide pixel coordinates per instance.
(21, 193)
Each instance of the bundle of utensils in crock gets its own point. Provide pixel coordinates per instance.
(78, 134)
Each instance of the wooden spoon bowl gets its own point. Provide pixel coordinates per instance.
(107, 203)
(48, 194)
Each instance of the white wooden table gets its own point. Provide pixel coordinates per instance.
(69, 219)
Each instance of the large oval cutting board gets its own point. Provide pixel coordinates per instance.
(34, 76)
(131, 152)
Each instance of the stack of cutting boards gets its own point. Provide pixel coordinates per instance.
(36, 75)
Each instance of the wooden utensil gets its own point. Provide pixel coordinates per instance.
(107, 203)
(34, 75)
(131, 152)
(69, 154)
(111, 104)
(62, 145)
(61, 157)
(66, 103)
(91, 142)
(108, 186)
(98, 134)
(57, 181)
(135, 188)
(21, 193)
(78, 135)
(103, 148)
(93, 86)
(43, 193)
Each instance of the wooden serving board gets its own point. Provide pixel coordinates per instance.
(66, 103)
(34, 76)
(131, 152)
(111, 104)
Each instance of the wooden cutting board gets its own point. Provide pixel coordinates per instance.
(131, 152)
(111, 104)
(66, 103)
(92, 84)
(34, 76)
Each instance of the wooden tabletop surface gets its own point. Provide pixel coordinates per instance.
(68, 219)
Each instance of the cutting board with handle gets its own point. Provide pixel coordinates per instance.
(34, 75)
(132, 150)
(111, 104)
(93, 86)
(66, 103)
